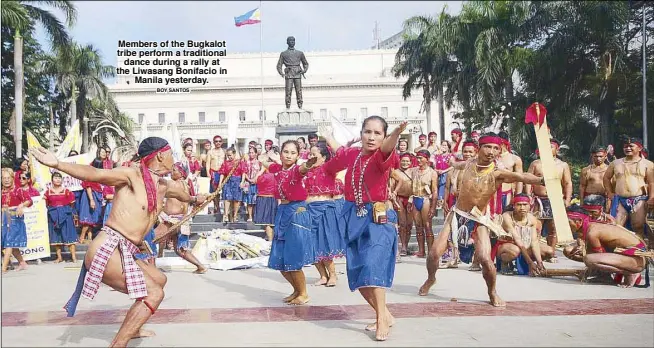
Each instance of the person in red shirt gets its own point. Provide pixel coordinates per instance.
(61, 227)
(266, 207)
(90, 205)
(252, 166)
(25, 180)
(304, 152)
(21, 165)
(232, 193)
(370, 222)
(328, 228)
(191, 162)
(14, 233)
(292, 245)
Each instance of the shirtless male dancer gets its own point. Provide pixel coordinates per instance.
(591, 180)
(633, 177)
(511, 163)
(594, 206)
(215, 159)
(602, 242)
(399, 196)
(432, 145)
(480, 180)
(542, 206)
(137, 202)
(174, 210)
(422, 140)
(422, 204)
(525, 247)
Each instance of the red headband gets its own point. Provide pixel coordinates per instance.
(150, 189)
(490, 140)
(521, 199)
(422, 154)
(456, 131)
(269, 142)
(592, 207)
(217, 137)
(474, 133)
(585, 221)
(506, 143)
(181, 170)
(422, 136)
(406, 154)
(634, 142)
(471, 143)
(432, 133)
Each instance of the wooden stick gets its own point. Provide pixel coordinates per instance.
(197, 209)
(563, 272)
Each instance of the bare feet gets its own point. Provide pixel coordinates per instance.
(58, 260)
(373, 326)
(331, 282)
(553, 259)
(22, 266)
(420, 255)
(201, 270)
(383, 328)
(144, 333)
(290, 297)
(496, 301)
(629, 280)
(474, 268)
(424, 289)
(321, 281)
(299, 300)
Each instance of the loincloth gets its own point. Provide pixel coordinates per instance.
(629, 203)
(185, 229)
(544, 208)
(89, 280)
(463, 231)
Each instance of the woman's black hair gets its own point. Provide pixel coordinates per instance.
(375, 118)
(18, 162)
(55, 174)
(294, 142)
(324, 152)
(594, 200)
(27, 175)
(231, 149)
(70, 153)
(302, 138)
(187, 145)
(97, 163)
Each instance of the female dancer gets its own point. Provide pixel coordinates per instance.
(59, 201)
(232, 194)
(400, 194)
(442, 166)
(25, 180)
(327, 225)
(90, 205)
(371, 234)
(252, 168)
(422, 207)
(304, 152)
(266, 207)
(292, 244)
(14, 234)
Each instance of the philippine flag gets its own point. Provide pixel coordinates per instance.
(252, 17)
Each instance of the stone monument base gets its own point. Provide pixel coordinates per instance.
(294, 123)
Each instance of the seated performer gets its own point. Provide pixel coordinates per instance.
(630, 181)
(594, 206)
(422, 203)
(60, 201)
(14, 234)
(480, 180)
(292, 245)
(370, 221)
(110, 256)
(524, 247)
(175, 210)
(610, 248)
(400, 193)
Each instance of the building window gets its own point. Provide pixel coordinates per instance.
(162, 118)
(222, 117)
(241, 115)
(201, 117)
(323, 114)
(364, 112)
(141, 117)
(262, 115)
(343, 113)
(405, 112)
(384, 112)
(182, 118)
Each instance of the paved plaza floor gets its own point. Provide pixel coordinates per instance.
(244, 308)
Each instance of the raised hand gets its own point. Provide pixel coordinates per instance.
(44, 156)
(353, 141)
(403, 126)
(311, 162)
(325, 131)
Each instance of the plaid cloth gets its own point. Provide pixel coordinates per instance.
(185, 229)
(133, 274)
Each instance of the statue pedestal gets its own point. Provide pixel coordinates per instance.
(294, 123)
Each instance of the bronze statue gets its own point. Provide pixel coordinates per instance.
(294, 72)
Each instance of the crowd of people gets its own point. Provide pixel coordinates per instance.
(322, 200)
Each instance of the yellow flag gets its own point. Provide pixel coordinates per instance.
(73, 141)
(40, 173)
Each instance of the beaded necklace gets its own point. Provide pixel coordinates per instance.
(358, 193)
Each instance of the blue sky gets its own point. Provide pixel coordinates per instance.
(332, 25)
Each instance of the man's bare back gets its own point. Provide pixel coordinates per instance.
(612, 236)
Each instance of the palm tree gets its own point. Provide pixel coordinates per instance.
(78, 72)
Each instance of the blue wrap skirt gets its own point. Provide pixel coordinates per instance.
(149, 238)
(328, 228)
(371, 248)
(86, 215)
(292, 245)
(250, 197)
(14, 233)
(61, 227)
(232, 190)
(78, 196)
(265, 211)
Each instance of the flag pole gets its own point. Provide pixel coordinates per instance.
(263, 112)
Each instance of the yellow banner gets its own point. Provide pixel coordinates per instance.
(73, 141)
(38, 171)
(38, 239)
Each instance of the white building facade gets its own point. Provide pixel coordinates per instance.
(349, 85)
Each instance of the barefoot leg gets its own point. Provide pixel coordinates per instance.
(58, 252)
(269, 232)
(434, 256)
(295, 292)
(6, 259)
(331, 270)
(71, 249)
(383, 323)
(323, 274)
(301, 287)
(482, 254)
(22, 265)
